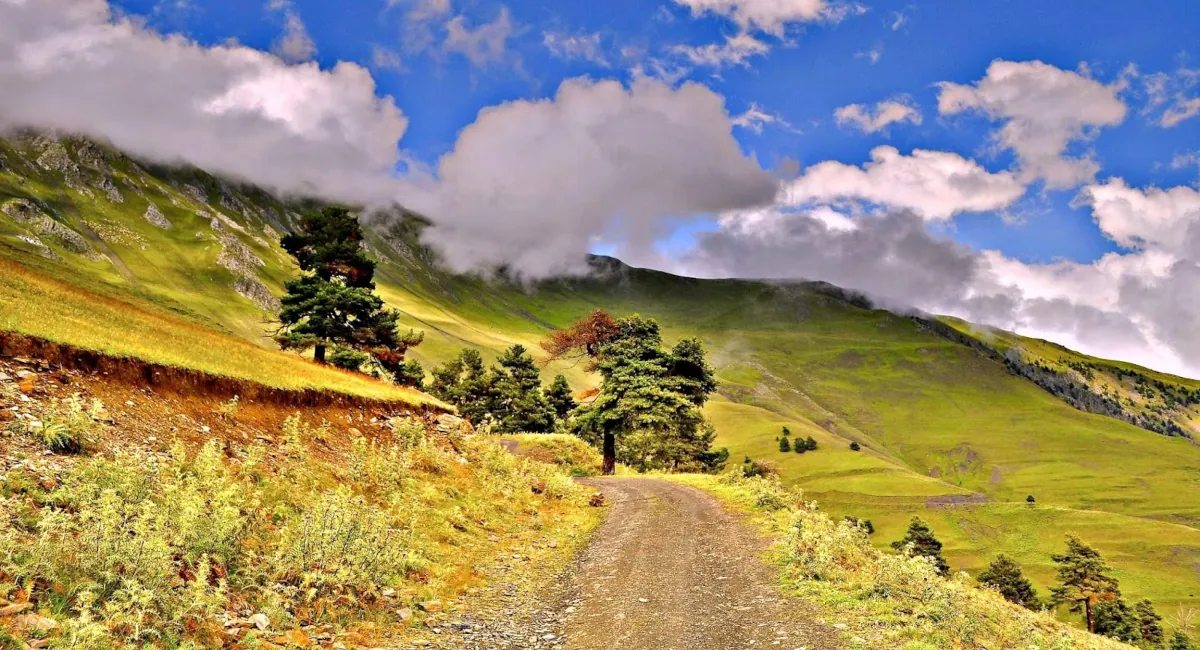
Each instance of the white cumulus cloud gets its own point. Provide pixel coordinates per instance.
(935, 185)
(531, 184)
(1044, 110)
(72, 65)
(772, 16)
(874, 119)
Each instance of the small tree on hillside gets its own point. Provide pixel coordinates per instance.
(854, 446)
(1005, 576)
(919, 540)
(1181, 641)
(785, 444)
(333, 301)
(810, 443)
(1084, 578)
(517, 400)
(1149, 623)
(1116, 620)
(560, 398)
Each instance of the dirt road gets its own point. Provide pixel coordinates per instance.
(669, 569)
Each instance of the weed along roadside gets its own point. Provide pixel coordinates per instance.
(190, 521)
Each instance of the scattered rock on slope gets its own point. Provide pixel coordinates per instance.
(110, 190)
(156, 217)
(22, 210)
(27, 212)
(92, 156)
(255, 291)
(37, 244)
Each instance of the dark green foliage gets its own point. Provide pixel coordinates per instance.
(650, 400)
(328, 245)
(786, 432)
(1115, 619)
(333, 301)
(785, 445)
(510, 394)
(864, 524)
(1084, 579)
(348, 358)
(1030, 500)
(1181, 641)
(1149, 623)
(410, 373)
(463, 382)
(810, 443)
(1005, 576)
(518, 404)
(799, 447)
(920, 539)
(560, 398)
(854, 446)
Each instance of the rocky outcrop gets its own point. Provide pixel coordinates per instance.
(69, 239)
(237, 257)
(22, 210)
(255, 291)
(27, 212)
(93, 156)
(196, 193)
(37, 244)
(110, 190)
(157, 218)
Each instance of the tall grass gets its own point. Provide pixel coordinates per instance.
(887, 600)
(143, 550)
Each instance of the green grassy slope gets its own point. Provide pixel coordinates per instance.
(947, 431)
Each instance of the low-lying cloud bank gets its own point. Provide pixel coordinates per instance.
(1140, 306)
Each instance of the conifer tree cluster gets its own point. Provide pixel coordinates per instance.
(800, 445)
(333, 302)
(509, 395)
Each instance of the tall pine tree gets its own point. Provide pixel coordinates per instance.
(333, 302)
(463, 382)
(560, 398)
(648, 409)
(518, 402)
(1084, 580)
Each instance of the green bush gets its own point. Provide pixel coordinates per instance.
(67, 426)
(348, 358)
(136, 542)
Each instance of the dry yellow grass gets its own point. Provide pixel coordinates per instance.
(36, 305)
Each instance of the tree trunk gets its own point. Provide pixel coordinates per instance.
(610, 453)
(319, 353)
(1087, 607)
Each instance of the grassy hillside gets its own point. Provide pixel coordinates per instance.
(947, 430)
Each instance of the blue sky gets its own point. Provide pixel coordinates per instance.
(891, 48)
